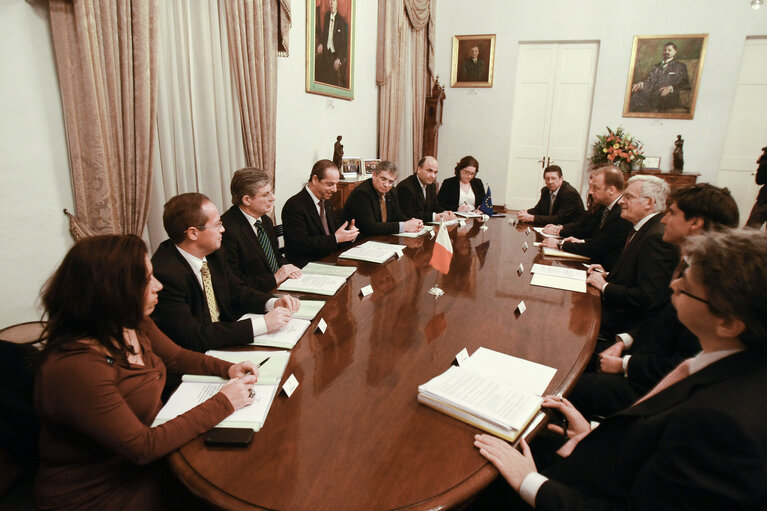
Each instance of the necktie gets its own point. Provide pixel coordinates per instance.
(383, 208)
(604, 218)
(323, 217)
(263, 240)
(551, 202)
(629, 238)
(207, 286)
(681, 372)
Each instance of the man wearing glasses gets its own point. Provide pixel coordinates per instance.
(203, 305)
(643, 270)
(630, 364)
(249, 238)
(375, 208)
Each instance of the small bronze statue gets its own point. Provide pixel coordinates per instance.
(678, 154)
(338, 153)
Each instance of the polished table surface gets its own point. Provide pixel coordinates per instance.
(353, 436)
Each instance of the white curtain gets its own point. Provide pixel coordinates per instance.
(199, 137)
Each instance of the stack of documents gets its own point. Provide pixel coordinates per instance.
(558, 277)
(319, 279)
(195, 389)
(424, 230)
(286, 337)
(561, 254)
(446, 223)
(372, 252)
(468, 214)
(495, 392)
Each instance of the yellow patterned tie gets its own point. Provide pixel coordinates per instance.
(382, 199)
(207, 286)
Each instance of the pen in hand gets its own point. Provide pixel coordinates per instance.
(264, 361)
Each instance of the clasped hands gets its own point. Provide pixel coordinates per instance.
(596, 276)
(524, 216)
(514, 465)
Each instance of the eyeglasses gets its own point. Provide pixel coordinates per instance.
(218, 225)
(702, 300)
(468, 173)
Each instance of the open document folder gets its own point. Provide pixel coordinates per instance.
(495, 392)
(195, 389)
(558, 277)
(372, 252)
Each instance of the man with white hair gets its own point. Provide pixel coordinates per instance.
(644, 268)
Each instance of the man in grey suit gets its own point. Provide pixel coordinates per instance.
(660, 90)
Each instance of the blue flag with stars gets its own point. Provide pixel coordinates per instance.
(487, 204)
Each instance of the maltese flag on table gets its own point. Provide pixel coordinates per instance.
(443, 251)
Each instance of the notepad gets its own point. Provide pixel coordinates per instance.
(286, 337)
(309, 309)
(493, 391)
(316, 284)
(468, 214)
(372, 251)
(328, 269)
(424, 230)
(196, 389)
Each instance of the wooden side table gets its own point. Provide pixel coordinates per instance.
(345, 187)
(674, 179)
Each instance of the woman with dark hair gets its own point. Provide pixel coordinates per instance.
(464, 192)
(98, 386)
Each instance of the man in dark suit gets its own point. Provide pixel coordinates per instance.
(696, 441)
(249, 238)
(601, 234)
(202, 301)
(660, 90)
(374, 207)
(759, 212)
(560, 203)
(332, 41)
(643, 270)
(632, 363)
(309, 221)
(417, 195)
(473, 69)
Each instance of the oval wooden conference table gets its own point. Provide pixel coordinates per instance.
(353, 436)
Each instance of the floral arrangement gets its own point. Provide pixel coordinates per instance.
(618, 148)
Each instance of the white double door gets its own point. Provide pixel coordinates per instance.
(551, 117)
(747, 129)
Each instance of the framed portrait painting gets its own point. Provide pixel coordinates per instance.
(664, 76)
(370, 166)
(330, 48)
(473, 60)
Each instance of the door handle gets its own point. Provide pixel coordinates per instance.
(542, 161)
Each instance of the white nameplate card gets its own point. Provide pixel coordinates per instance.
(483, 228)
(367, 290)
(521, 307)
(520, 269)
(399, 253)
(321, 326)
(431, 234)
(485, 218)
(513, 221)
(525, 246)
(537, 243)
(290, 386)
(461, 224)
(462, 356)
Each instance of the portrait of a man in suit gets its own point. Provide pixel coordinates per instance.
(664, 76)
(473, 60)
(331, 44)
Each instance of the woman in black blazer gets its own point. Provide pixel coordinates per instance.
(464, 192)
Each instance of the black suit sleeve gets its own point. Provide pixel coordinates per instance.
(411, 204)
(655, 263)
(568, 206)
(448, 194)
(608, 240)
(261, 280)
(359, 206)
(301, 239)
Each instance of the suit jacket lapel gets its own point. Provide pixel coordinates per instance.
(249, 233)
(312, 208)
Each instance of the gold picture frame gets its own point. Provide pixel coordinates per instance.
(473, 60)
(660, 89)
(370, 165)
(330, 72)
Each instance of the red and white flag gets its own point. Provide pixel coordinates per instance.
(443, 251)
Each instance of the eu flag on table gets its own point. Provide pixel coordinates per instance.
(487, 204)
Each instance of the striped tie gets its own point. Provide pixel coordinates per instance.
(207, 286)
(263, 240)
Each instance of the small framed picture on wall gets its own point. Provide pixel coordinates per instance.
(473, 60)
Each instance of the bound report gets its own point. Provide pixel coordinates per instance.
(558, 277)
(319, 279)
(372, 252)
(495, 392)
(286, 337)
(195, 389)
